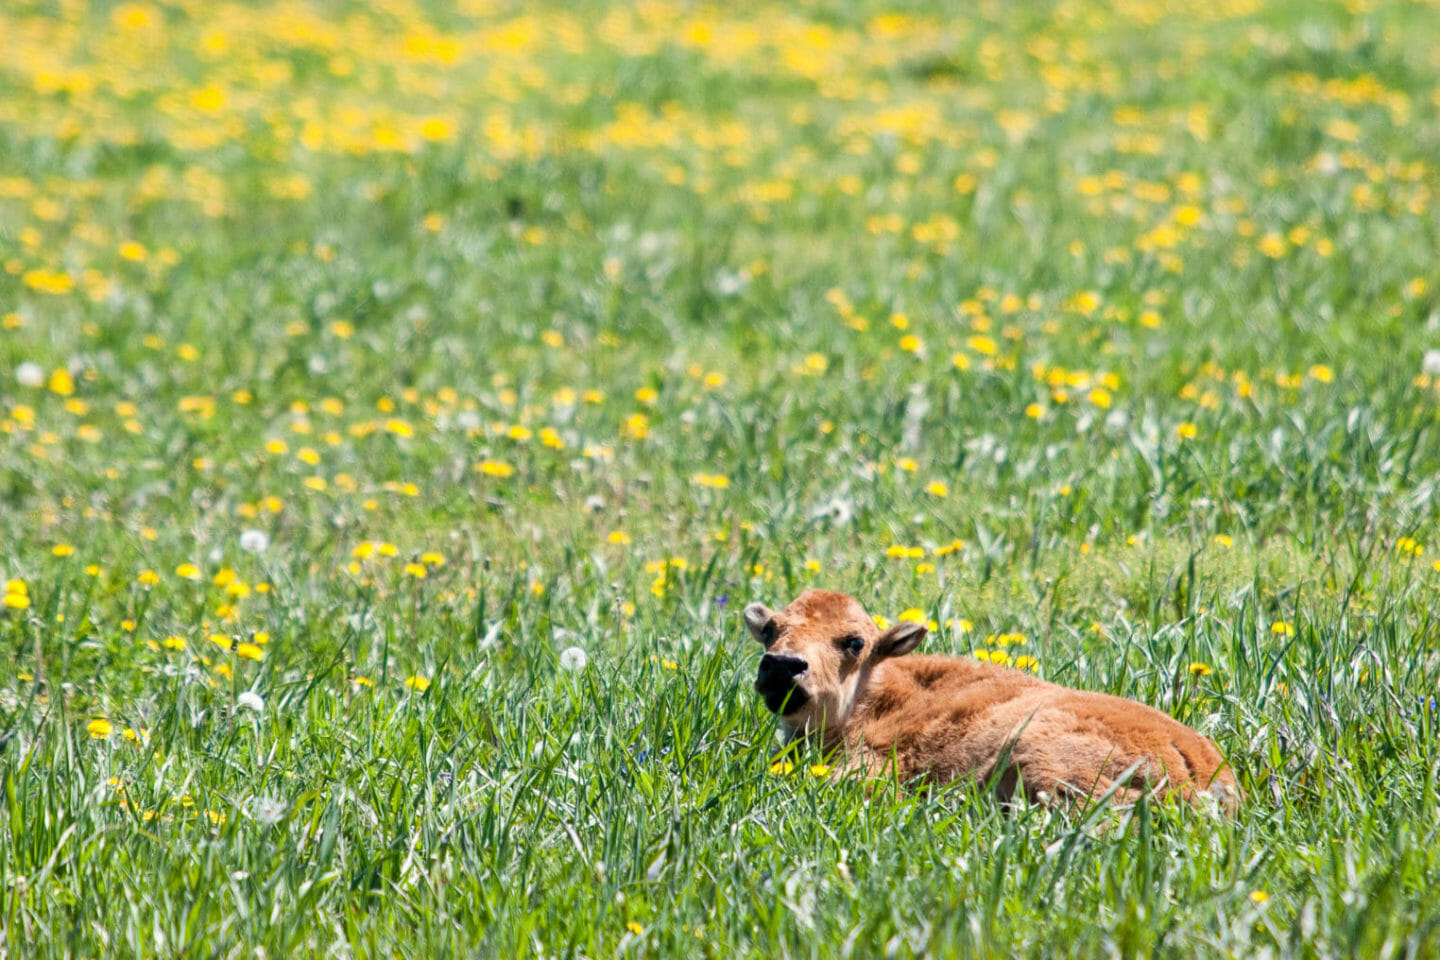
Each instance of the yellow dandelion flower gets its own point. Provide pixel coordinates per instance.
(636, 427)
(937, 489)
(1281, 628)
(63, 550)
(100, 729)
(187, 571)
(249, 651)
(208, 99)
(818, 770)
(437, 128)
(418, 683)
(1186, 431)
(1198, 669)
(782, 768)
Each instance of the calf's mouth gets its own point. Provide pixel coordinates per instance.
(781, 696)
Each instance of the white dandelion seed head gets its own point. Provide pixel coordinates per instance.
(838, 511)
(1430, 363)
(574, 659)
(267, 810)
(30, 374)
(251, 701)
(254, 541)
(729, 283)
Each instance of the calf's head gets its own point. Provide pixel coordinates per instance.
(818, 653)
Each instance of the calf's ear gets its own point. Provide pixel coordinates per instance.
(899, 639)
(760, 621)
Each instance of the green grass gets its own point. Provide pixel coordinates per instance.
(610, 319)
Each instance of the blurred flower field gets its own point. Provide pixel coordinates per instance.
(399, 401)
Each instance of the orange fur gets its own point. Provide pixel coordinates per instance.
(943, 718)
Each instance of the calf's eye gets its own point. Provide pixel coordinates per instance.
(852, 645)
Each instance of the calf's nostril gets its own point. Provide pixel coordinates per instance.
(782, 666)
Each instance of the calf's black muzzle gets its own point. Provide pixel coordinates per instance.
(776, 682)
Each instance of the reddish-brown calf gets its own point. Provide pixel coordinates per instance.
(829, 672)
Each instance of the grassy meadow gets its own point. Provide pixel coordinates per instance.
(400, 400)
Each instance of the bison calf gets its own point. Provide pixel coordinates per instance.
(830, 673)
